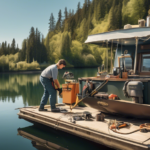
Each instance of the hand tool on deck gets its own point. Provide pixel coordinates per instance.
(118, 125)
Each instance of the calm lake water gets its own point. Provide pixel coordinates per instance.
(21, 90)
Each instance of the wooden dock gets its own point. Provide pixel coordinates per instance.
(93, 130)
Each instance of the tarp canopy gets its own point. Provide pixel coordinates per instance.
(125, 36)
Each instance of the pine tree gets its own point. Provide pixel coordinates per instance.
(70, 14)
(85, 30)
(31, 50)
(51, 23)
(39, 47)
(119, 16)
(17, 49)
(43, 51)
(95, 8)
(13, 46)
(66, 13)
(27, 51)
(139, 8)
(100, 9)
(36, 43)
(63, 25)
(112, 16)
(23, 52)
(47, 44)
(8, 48)
(72, 26)
(2, 51)
(78, 12)
(90, 24)
(85, 9)
(5, 48)
(78, 6)
(65, 48)
(91, 9)
(59, 22)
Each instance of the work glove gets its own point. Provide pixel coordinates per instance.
(60, 91)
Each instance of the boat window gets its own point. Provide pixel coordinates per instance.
(145, 63)
(127, 61)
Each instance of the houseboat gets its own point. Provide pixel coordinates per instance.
(125, 90)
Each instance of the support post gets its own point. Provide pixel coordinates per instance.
(105, 62)
(135, 59)
(111, 55)
(107, 56)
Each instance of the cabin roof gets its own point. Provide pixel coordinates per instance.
(124, 36)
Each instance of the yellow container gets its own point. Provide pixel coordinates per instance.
(69, 92)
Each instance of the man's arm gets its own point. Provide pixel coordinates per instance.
(57, 83)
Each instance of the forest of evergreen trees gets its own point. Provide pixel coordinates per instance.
(6, 49)
(67, 33)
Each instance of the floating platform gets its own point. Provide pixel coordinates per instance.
(96, 131)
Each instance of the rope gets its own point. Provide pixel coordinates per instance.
(125, 133)
(145, 39)
(142, 126)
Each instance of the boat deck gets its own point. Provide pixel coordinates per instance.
(93, 130)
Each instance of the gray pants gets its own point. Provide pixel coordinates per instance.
(48, 91)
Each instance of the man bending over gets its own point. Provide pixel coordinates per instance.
(47, 77)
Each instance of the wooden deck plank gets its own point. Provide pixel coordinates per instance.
(92, 125)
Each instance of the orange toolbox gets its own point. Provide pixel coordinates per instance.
(69, 92)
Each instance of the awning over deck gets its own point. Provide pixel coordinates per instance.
(125, 36)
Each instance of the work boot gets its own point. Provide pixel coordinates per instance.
(40, 109)
(55, 110)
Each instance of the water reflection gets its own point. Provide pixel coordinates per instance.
(15, 85)
(29, 87)
(20, 90)
(44, 138)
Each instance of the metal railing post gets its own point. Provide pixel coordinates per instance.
(135, 59)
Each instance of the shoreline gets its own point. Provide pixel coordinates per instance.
(22, 72)
(38, 71)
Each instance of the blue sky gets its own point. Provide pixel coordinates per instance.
(18, 16)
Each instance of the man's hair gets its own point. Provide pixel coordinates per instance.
(62, 61)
